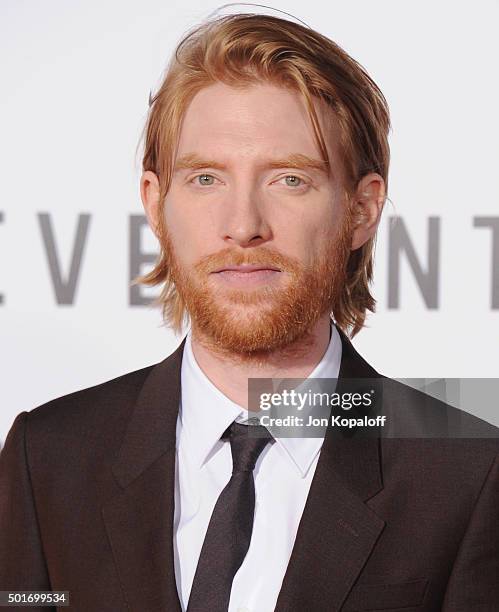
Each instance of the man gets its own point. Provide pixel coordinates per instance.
(265, 173)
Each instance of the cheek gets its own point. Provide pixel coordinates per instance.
(314, 235)
(177, 225)
(330, 224)
(186, 213)
(172, 212)
(191, 235)
(180, 218)
(304, 244)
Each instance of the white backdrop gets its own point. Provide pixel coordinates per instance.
(75, 78)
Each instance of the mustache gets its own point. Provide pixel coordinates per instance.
(258, 256)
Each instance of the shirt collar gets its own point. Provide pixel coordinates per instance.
(205, 412)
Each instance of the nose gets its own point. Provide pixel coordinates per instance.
(244, 219)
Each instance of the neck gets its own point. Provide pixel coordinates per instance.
(230, 373)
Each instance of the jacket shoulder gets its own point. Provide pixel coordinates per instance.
(91, 408)
(418, 412)
(463, 446)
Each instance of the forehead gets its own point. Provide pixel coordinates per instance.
(259, 119)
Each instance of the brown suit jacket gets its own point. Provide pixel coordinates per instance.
(87, 502)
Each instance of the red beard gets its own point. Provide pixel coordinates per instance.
(251, 323)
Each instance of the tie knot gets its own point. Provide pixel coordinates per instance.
(246, 445)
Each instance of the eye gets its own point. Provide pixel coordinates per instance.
(293, 181)
(204, 179)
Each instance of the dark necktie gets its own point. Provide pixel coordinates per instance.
(229, 531)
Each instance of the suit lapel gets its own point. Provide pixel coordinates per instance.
(139, 520)
(337, 531)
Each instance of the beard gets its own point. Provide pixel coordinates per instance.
(250, 325)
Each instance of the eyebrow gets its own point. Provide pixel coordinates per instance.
(191, 161)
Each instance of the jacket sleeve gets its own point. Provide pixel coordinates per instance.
(22, 563)
(474, 581)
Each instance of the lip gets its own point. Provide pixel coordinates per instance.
(246, 268)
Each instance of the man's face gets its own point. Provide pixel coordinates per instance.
(242, 194)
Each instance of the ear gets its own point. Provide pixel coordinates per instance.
(149, 193)
(368, 204)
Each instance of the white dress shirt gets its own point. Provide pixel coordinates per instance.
(282, 475)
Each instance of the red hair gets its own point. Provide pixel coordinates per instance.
(240, 50)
